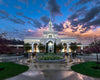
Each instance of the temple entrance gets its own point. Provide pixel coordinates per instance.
(65, 47)
(50, 47)
(35, 47)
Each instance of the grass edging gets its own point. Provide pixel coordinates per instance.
(86, 69)
(11, 69)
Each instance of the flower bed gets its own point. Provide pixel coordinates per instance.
(50, 57)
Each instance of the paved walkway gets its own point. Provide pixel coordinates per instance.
(51, 75)
(51, 71)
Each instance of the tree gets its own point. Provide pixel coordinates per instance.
(95, 48)
(54, 47)
(59, 46)
(41, 47)
(73, 46)
(27, 46)
(46, 47)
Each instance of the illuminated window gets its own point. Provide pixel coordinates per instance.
(50, 36)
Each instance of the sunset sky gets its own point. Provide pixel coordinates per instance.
(71, 18)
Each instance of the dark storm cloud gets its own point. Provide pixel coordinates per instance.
(58, 27)
(84, 30)
(53, 7)
(80, 2)
(5, 13)
(74, 16)
(82, 9)
(90, 15)
(37, 24)
(21, 14)
(98, 2)
(74, 29)
(34, 22)
(29, 22)
(95, 23)
(45, 20)
(18, 21)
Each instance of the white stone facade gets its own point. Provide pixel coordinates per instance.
(49, 37)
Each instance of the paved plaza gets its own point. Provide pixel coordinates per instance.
(51, 71)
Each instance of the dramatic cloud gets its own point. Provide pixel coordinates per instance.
(65, 30)
(83, 37)
(18, 21)
(72, 17)
(82, 10)
(45, 20)
(37, 24)
(82, 19)
(91, 14)
(53, 7)
(90, 19)
(58, 27)
(94, 23)
(80, 2)
(21, 14)
(5, 13)
(35, 33)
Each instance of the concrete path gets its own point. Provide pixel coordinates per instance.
(51, 71)
(51, 75)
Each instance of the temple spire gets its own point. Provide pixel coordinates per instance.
(50, 24)
(50, 16)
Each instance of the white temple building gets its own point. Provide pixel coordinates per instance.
(49, 38)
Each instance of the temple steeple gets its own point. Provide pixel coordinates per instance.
(50, 24)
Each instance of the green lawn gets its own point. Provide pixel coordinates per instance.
(86, 69)
(11, 69)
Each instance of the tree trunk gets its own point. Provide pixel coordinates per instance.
(97, 60)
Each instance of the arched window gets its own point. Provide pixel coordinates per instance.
(50, 36)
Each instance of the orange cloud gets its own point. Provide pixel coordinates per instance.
(30, 30)
(86, 37)
(83, 37)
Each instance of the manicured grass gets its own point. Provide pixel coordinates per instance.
(86, 69)
(11, 69)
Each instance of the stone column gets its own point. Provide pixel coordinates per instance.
(32, 47)
(67, 47)
(81, 47)
(17, 49)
